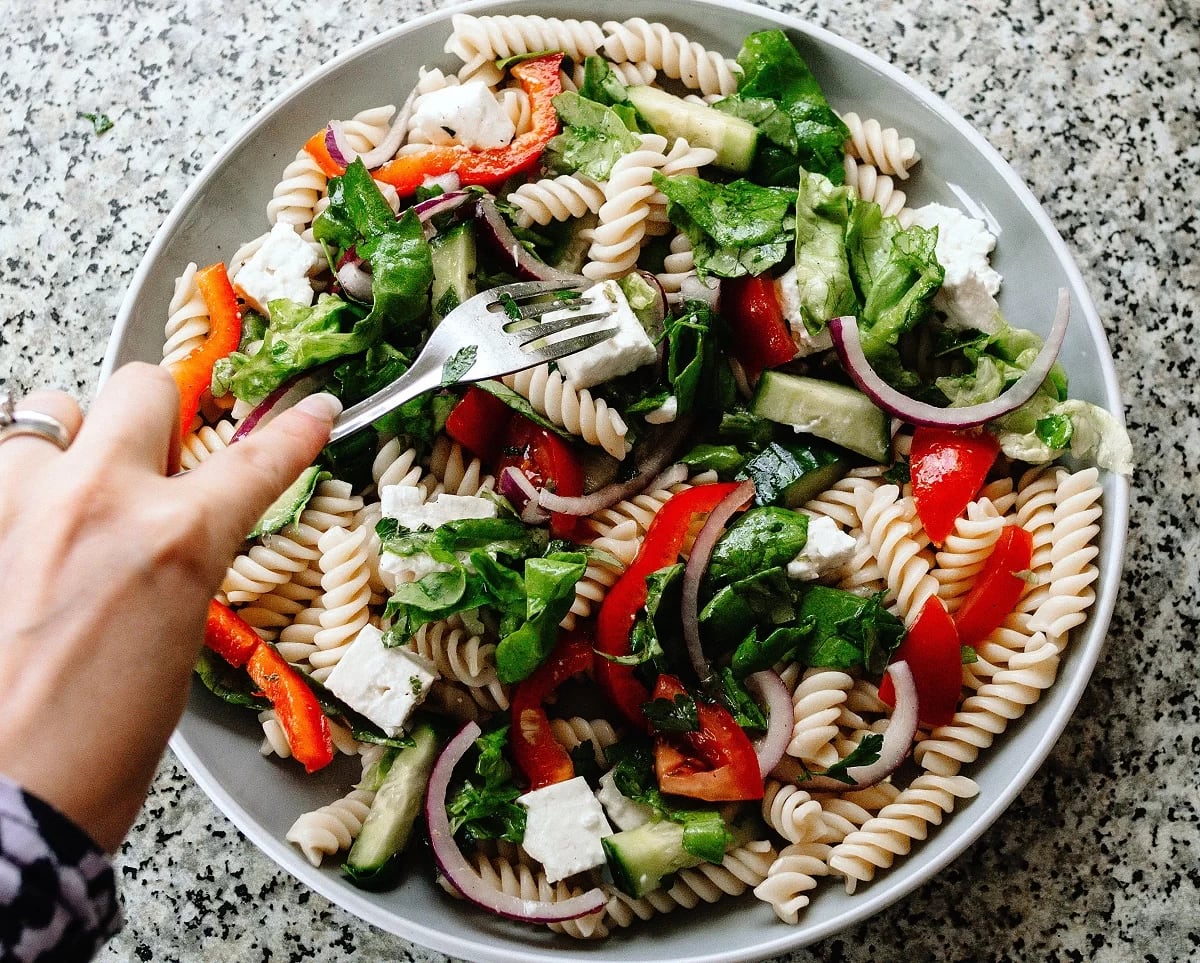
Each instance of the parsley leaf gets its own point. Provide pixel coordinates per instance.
(673, 715)
(455, 368)
(101, 123)
(486, 808)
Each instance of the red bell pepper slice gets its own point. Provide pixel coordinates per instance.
(193, 372)
(947, 469)
(761, 338)
(538, 754)
(548, 462)
(717, 763)
(479, 422)
(491, 166)
(318, 150)
(625, 599)
(933, 652)
(998, 587)
(299, 712)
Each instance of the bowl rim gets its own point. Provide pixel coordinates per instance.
(1085, 653)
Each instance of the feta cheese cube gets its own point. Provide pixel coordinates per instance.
(789, 301)
(665, 413)
(563, 828)
(627, 350)
(395, 569)
(968, 293)
(827, 551)
(405, 504)
(623, 812)
(468, 114)
(384, 684)
(278, 270)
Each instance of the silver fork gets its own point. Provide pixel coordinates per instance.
(492, 334)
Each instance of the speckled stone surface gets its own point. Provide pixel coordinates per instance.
(1093, 103)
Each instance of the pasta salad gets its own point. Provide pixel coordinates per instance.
(732, 601)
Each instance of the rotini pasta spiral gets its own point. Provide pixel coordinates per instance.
(458, 654)
(617, 238)
(556, 199)
(573, 408)
(791, 812)
(890, 525)
(205, 441)
(455, 473)
(816, 709)
(346, 599)
(678, 265)
(790, 878)
(672, 53)
(877, 188)
(966, 551)
(333, 828)
(890, 834)
(494, 38)
(294, 200)
(879, 146)
(573, 732)
(187, 318)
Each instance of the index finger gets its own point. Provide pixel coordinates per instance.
(136, 415)
(237, 484)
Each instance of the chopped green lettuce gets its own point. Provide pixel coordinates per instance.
(485, 807)
(549, 592)
(593, 138)
(822, 261)
(1034, 433)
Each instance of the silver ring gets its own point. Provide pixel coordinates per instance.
(35, 423)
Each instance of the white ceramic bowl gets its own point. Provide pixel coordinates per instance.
(224, 207)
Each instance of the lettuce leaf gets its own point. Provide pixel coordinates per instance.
(593, 139)
(1036, 433)
(549, 592)
(822, 260)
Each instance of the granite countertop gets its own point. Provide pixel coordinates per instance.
(1093, 102)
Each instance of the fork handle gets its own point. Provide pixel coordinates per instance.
(418, 379)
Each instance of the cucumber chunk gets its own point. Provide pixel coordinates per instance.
(287, 507)
(792, 474)
(733, 138)
(388, 826)
(640, 858)
(837, 413)
(453, 255)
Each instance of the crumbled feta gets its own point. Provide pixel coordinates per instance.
(623, 812)
(665, 413)
(968, 293)
(395, 569)
(384, 684)
(278, 270)
(404, 503)
(468, 114)
(827, 551)
(563, 828)
(789, 300)
(627, 350)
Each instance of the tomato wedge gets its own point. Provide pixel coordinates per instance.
(548, 462)
(717, 763)
(761, 338)
(947, 469)
(625, 599)
(539, 755)
(933, 652)
(478, 423)
(998, 587)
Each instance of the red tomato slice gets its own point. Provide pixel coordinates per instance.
(934, 654)
(716, 764)
(761, 338)
(478, 423)
(947, 469)
(548, 462)
(997, 588)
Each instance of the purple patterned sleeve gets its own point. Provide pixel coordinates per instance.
(58, 897)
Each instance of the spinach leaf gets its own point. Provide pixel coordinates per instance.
(849, 632)
(593, 139)
(227, 683)
(697, 372)
(659, 642)
(761, 538)
(741, 704)
(767, 598)
(549, 592)
(780, 645)
(672, 715)
(736, 228)
(486, 807)
(726, 460)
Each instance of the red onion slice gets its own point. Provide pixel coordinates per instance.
(335, 142)
(442, 204)
(849, 348)
(462, 875)
(518, 489)
(663, 448)
(897, 740)
(339, 146)
(281, 399)
(697, 562)
(525, 264)
(774, 696)
(354, 281)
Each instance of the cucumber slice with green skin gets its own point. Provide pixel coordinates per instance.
(454, 262)
(640, 858)
(790, 474)
(388, 826)
(733, 138)
(287, 507)
(837, 413)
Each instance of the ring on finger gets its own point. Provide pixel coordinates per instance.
(37, 424)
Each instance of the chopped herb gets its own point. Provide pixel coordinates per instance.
(899, 473)
(101, 123)
(509, 305)
(673, 715)
(458, 364)
(969, 655)
(865, 753)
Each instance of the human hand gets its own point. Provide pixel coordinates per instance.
(106, 569)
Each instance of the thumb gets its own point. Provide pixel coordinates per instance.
(238, 484)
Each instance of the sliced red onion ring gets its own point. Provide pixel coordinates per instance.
(340, 150)
(518, 489)
(773, 743)
(281, 399)
(697, 562)
(849, 348)
(672, 476)
(662, 447)
(355, 281)
(462, 875)
(448, 182)
(897, 740)
(441, 204)
(526, 265)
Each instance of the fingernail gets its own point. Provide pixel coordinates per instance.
(323, 405)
